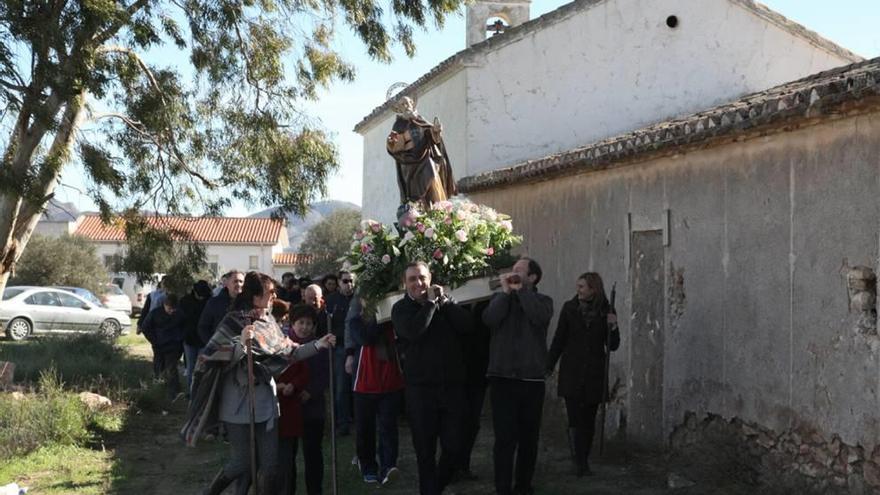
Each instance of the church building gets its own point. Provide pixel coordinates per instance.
(720, 164)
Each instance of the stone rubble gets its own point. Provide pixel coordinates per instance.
(800, 458)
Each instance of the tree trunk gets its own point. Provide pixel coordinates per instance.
(19, 214)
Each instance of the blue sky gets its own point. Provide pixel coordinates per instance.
(850, 23)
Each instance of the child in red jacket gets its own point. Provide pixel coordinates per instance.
(291, 394)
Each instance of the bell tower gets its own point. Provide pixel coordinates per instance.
(489, 17)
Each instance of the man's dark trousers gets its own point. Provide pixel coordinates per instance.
(435, 413)
(516, 413)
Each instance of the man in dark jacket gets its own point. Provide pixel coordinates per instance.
(163, 327)
(337, 309)
(518, 318)
(192, 305)
(429, 325)
(217, 307)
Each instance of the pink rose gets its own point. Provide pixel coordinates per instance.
(507, 225)
(490, 251)
(421, 227)
(438, 255)
(386, 259)
(429, 233)
(447, 220)
(366, 248)
(461, 235)
(359, 235)
(376, 227)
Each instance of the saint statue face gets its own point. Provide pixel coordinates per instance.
(405, 107)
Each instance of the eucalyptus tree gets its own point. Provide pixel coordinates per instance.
(177, 106)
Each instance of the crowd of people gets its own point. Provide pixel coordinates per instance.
(260, 356)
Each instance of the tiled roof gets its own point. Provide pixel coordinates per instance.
(208, 230)
(853, 87)
(291, 259)
(512, 34)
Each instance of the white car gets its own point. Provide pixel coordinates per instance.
(113, 298)
(26, 311)
(136, 292)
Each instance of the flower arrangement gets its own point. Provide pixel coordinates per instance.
(459, 240)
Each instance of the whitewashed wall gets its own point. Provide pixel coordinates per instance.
(617, 67)
(228, 256)
(599, 72)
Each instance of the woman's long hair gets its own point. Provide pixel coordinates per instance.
(254, 286)
(594, 281)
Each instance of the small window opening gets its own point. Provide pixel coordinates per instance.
(672, 21)
(495, 25)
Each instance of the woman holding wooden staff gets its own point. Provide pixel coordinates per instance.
(223, 390)
(587, 326)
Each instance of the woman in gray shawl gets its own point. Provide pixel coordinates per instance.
(221, 385)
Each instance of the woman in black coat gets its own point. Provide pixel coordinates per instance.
(587, 323)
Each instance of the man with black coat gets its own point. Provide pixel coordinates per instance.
(337, 309)
(217, 307)
(518, 318)
(429, 325)
(192, 305)
(163, 327)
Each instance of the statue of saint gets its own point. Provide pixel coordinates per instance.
(424, 174)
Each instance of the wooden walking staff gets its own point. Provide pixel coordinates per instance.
(333, 487)
(605, 376)
(252, 400)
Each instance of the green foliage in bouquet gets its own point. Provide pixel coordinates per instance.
(459, 239)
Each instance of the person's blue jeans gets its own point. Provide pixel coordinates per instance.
(373, 410)
(341, 390)
(190, 354)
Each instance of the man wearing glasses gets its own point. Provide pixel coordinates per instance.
(337, 309)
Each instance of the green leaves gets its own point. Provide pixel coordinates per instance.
(187, 104)
(64, 260)
(329, 240)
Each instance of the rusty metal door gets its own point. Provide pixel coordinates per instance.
(647, 330)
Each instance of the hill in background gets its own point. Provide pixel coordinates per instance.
(297, 227)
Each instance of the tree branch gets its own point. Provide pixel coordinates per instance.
(168, 133)
(103, 36)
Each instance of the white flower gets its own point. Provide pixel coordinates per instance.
(461, 235)
(507, 225)
(386, 259)
(407, 237)
(429, 233)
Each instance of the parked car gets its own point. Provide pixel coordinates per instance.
(83, 293)
(26, 311)
(136, 292)
(114, 298)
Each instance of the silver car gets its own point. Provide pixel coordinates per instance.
(28, 311)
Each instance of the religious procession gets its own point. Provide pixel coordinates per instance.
(267, 361)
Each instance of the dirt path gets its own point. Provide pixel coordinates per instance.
(151, 459)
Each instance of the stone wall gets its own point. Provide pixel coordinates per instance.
(800, 459)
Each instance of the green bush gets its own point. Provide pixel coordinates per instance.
(49, 417)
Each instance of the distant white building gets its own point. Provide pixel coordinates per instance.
(586, 71)
(231, 243)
